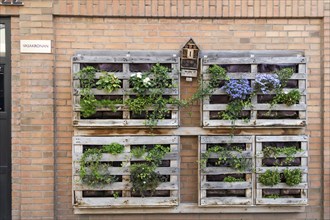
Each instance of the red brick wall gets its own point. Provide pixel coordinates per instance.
(42, 112)
(74, 34)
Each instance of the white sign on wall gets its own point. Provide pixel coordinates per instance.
(36, 46)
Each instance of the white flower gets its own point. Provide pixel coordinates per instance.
(146, 81)
(133, 75)
(139, 75)
(144, 182)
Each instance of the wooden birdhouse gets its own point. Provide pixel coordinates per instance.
(189, 59)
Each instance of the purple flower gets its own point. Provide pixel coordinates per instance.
(238, 88)
(266, 83)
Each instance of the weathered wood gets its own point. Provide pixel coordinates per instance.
(194, 208)
(125, 58)
(293, 119)
(127, 202)
(303, 166)
(208, 200)
(123, 185)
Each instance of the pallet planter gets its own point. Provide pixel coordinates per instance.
(123, 65)
(119, 194)
(282, 193)
(247, 66)
(214, 190)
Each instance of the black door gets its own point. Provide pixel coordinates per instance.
(5, 124)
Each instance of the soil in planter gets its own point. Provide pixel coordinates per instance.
(220, 178)
(271, 68)
(146, 67)
(219, 99)
(282, 193)
(102, 193)
(277, 114)
(157, 193)
(216, 115)
(237, 68)
(272, 162)
(225, 193)
(109, 67)
(282, 144)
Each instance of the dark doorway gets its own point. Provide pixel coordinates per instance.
(5, 120)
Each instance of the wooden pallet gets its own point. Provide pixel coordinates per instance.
(126, 200)
(123, 117)
(299, 190)
(256, 114)
(210, 177)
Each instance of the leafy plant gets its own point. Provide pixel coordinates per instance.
(217, 74)
(92, 172)
(143, 175)
(138, 152)
(113, 148)
(144, 178)
(227, 158)
(290, 98)
(108, 82)
(284, 75)
(231, 179)
(292, 177)
(274, 152)
(272, 196)
(270, 178)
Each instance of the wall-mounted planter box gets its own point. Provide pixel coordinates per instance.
(119, 194)
(248, 66)
(213, 190)
(285, 194)
(123, 65)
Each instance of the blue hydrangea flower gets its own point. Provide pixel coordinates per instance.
(266, 83)
(238, 88)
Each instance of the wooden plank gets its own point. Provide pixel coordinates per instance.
(216, 201)
(281, 201)
(303, 185)
(121, 186)
(136, 140)
(125, 202)
(225, 185)
(284, 138)
(281, 169)
(190, 208)
(226, 139)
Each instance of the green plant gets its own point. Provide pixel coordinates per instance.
(108, 82)
(144, 178)
(143, 175)
(113, 148)
(231, 179)
(227, 158)
(138, 152)
(92, 171)
(272, 196)
(274, 152)
(292, 177)
(270, 178)
(284, 75)
(290, 98)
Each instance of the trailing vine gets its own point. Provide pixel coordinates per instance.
(92, 171)
(144, 177)
(227, 158)
(274, 152)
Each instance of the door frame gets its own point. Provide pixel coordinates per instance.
(5, 122)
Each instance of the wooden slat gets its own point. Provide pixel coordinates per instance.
(126, 203)
(282, 201)
(126, 200)
(225, 185)
(228, 201)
